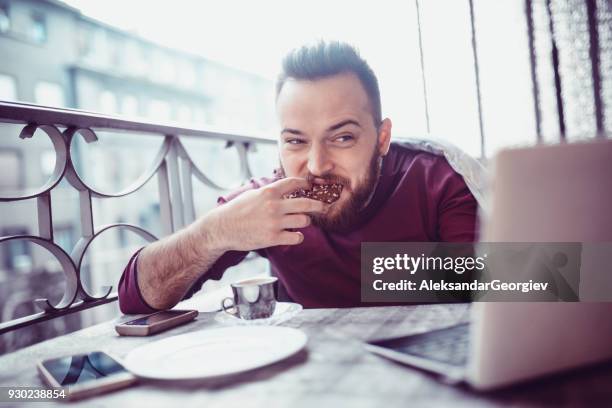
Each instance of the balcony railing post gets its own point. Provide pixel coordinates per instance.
(245, 170)
(176, 199)
(187, 190)
(165, 205)
(45, 217)
(87, 227)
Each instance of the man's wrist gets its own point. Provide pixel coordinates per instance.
(207, 233)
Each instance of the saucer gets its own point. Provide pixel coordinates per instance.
(283, 312)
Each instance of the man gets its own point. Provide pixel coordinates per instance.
(332, 132)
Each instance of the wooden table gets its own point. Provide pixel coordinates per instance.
(332, 371)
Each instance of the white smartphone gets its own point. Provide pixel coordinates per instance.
(85, 375)
(156, 322)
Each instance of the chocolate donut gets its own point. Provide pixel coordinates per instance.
(327, 193)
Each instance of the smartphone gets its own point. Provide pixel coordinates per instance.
(85, 375)
(155, 323)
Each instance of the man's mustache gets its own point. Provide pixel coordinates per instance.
(328, 179)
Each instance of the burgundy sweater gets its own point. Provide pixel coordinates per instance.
(419, 198)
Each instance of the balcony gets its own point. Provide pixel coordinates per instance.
(82, 191)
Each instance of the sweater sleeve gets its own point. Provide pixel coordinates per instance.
(131, 300)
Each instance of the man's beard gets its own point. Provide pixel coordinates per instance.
(345, 217)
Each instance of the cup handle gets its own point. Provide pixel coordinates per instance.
(227, 308)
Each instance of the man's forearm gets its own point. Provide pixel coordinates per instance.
(167, 268)
(260, 218)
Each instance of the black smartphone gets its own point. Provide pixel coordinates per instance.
(85, 375)
(156, 322)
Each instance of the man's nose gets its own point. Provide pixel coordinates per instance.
(319, 162)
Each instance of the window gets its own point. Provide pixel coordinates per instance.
(184, 113)
(123, 237)
(187, 74)
(159, 110)
(200, 116)
(162, 69)
(5, 21)
(135, 58)
(85, 42)
(17, 254)
(10, 170)
(129, 105)
(8, 88)
(64, 236)
(108, 102)
(100, 53)
(47, 162)
(49, 94)
(38, 28)
(115, 50)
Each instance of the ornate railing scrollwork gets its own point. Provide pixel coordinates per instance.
(68, 267)
(172, 165)
(80, 249)
(61, 154)
(89, 136)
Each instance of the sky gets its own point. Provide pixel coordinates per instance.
(252, 35)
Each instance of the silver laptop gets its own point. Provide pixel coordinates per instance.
(560, 193)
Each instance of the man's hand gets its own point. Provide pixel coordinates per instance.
(261, 218)
(255, 219)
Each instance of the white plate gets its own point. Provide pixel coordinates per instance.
(214, 352)
(283, 312)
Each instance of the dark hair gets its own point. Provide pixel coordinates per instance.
(325, 59)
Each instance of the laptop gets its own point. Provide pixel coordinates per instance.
(559, 193)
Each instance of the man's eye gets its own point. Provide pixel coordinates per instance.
(294, 141)
(344, 138)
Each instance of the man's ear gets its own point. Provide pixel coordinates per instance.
(384, 136)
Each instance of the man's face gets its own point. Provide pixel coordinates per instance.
(328, 135)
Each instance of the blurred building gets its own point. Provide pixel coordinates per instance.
(55, 56)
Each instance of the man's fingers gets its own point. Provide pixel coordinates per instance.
(289, 185)
(303, 205)
(290, 238)
(295, 221)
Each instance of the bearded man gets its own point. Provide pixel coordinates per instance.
(341, 182)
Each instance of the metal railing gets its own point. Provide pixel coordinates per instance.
(172, 165)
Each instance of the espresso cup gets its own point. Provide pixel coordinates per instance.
(253, 298)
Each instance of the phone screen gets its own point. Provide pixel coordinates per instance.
(155, 318)
(83, 368)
